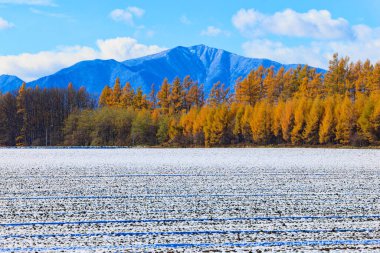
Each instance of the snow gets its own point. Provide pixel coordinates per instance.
(204, 64)
(106, 200)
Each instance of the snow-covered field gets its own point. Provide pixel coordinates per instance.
(117, 200)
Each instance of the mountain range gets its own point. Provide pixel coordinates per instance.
(204, 64)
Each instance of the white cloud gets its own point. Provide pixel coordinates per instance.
(185, 20)
(29, 2)
(127, 15)
(317, 24)
(317, 53)
(213, 31)
(124, 48)
(324, 36)
(48, 62)
(4, 24)
(358, 50)
(277, 51)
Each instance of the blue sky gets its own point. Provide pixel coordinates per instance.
(39, 37)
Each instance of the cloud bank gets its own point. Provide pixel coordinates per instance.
(324, 35)
(32, 66)
(312, 24)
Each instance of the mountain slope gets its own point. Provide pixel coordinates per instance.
(9, 83)
(94, 75)
(204, 64)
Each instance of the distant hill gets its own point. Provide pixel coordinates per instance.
(204, 64)
(9, 83)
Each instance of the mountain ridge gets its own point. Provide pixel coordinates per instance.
(7, 82)
(204, 64)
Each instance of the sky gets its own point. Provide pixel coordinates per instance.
(40, 37)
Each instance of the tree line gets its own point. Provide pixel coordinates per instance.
(290, 106)
(36, 117)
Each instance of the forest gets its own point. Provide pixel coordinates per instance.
(292, 107)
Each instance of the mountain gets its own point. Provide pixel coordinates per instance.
(9, 83)
(204, 64)
(94, 75)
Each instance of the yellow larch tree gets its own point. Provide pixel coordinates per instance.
(261, 122)
(217, 126)
(276, 119)
(299, 120)
(176, 96)
(327, 125)
(313, 119)
(163, 96)
(105, 96)
(127, 96)
(345, 115)
(287, 120)
(116, 94)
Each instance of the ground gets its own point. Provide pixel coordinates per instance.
(108, 200)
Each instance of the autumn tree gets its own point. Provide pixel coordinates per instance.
(163, 96)
(105, 96)
(327, 125)
(116, 94)
(299, 120)
(336, 77)
(251, 89)
(152, 97)
(200, 124)
(270, 84)
(345, 125)
(127, 96)
(287, 120)
(277, 113)
(177, 96)
(219, 95)
(261, 123)
(375, 120)
(313, 119)
(217, 127)
(187, 122)
(140, 101)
